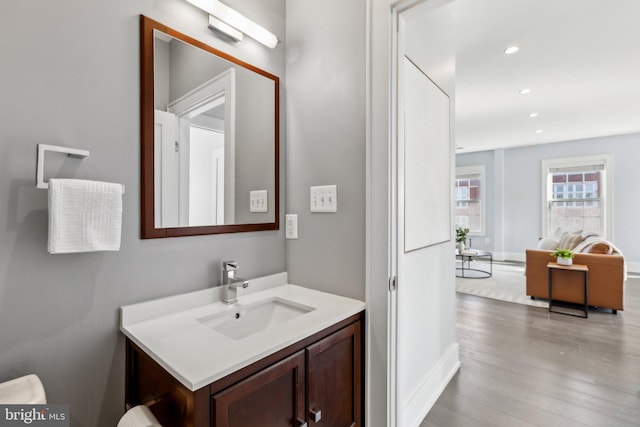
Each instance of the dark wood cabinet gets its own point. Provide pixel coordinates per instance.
(273, 397)
(317, 381)
(334, 379)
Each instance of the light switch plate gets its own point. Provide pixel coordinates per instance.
(324, 198)
(258, 201)
(291, 226)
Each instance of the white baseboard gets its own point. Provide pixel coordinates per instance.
(633, 267)
(508, 256)
(432, 387)
(516, 256)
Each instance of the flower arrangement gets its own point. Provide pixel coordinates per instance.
(461, 234)
(563, 256)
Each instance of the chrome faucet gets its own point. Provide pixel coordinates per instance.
(231, 282)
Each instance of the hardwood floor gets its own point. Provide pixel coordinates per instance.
(523, 366)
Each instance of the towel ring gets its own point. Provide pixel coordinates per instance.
(42, 148)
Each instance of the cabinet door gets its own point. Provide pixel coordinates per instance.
(273, 397)
(334, 367)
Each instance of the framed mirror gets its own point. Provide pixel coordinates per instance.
(209, 139)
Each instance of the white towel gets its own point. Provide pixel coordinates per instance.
(84, 216)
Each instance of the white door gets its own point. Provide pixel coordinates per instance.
(423, 352)
(206, 177)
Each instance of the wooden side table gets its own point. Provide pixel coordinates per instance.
(576, 268)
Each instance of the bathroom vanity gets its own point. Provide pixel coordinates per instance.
(283, 355)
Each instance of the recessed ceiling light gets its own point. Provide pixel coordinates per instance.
(532, 115)
(524, 91)
(511, 49)
(539, 131)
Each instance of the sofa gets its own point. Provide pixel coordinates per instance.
(606, 276)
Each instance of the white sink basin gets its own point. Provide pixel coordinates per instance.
(245, 320)
(179, 332)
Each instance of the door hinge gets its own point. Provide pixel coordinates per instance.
(393, 283)
(177, 147)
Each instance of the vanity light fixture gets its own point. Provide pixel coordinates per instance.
(511, 50)
(532, 115)
(224, 28)
(236, 23)
(524, 91)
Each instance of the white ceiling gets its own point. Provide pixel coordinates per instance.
(580, 58)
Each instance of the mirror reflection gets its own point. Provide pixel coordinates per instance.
(211, 118)
(214, 139)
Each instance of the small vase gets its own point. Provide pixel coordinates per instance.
(564, 261)
(460, 247)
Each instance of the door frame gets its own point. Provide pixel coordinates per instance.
(377, 297)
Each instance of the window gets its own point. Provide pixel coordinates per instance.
(576, 195)
(469, 194)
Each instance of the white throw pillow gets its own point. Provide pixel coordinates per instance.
(548, 243)
(570, 241)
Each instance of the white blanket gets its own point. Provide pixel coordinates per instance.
(586, 244)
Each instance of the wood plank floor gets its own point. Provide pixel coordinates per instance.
(523, 366)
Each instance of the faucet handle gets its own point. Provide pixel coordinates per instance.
(230, 265)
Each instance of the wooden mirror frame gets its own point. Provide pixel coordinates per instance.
(148, 229)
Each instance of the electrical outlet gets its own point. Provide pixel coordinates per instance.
(324, 198)
(258, 201)
(291, 226)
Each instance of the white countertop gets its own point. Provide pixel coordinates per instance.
(169, 331)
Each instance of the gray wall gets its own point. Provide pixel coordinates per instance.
(161, 74)
(486, 158)
(255, 158)
(326, 142)
(521, 216)
(70, 76)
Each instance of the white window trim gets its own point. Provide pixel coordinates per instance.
(606, 160)
(477, 170)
